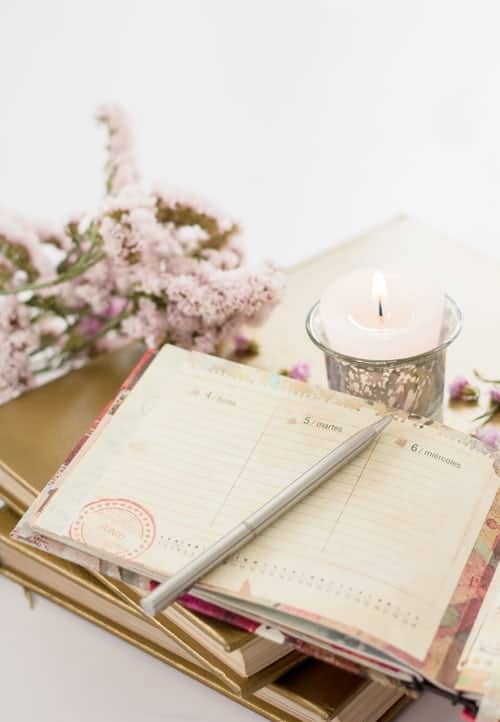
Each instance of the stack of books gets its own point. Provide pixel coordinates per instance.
(282, 677)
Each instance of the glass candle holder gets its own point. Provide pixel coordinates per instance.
(414, 384)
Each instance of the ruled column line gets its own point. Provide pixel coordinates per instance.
(346, 502)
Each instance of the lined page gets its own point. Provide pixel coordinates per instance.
(378, 547)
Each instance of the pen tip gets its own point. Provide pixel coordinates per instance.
(382, 423)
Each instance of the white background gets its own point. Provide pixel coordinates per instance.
(309, 121)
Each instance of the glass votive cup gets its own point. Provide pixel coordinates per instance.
(414, 384)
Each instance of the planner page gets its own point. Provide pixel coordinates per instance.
(200, 443)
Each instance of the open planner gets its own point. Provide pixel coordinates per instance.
(387, 564)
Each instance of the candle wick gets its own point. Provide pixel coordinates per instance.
(380, 309)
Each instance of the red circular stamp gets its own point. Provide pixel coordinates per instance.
(119, 526)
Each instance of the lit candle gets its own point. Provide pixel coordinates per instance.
(372, 315)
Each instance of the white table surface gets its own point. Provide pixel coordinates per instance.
(55, 666)
(310, 121)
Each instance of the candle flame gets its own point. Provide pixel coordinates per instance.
(379, 290)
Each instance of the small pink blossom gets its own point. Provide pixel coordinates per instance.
(116, 306)
(241, 342)
(495, 395)
(121, 163)
(457, 386)
(300, 371)
(489, 435)
(111, 341)
(461, 389)
(18, 337)
(244, 346)
(89, 326)
(33, 259)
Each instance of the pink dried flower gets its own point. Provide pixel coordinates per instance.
(461, 389)
(457, 386)
(121, 165)
(489, 435)
(18, 338)
(495, 395)
(244, 346)
(23, 255)
(155, 266)
(300, 371)
(241, 342)
(89, 326)
(149, 324)
(116, 306)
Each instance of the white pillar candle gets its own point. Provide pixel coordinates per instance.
(377, 315)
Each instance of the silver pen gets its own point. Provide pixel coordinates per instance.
(167, 592)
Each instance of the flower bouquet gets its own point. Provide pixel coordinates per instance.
(155, 266)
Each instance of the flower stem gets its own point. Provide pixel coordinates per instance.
(484, 379)
(488, 415)
(79, 267)
(72, 272)
(109, 326)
